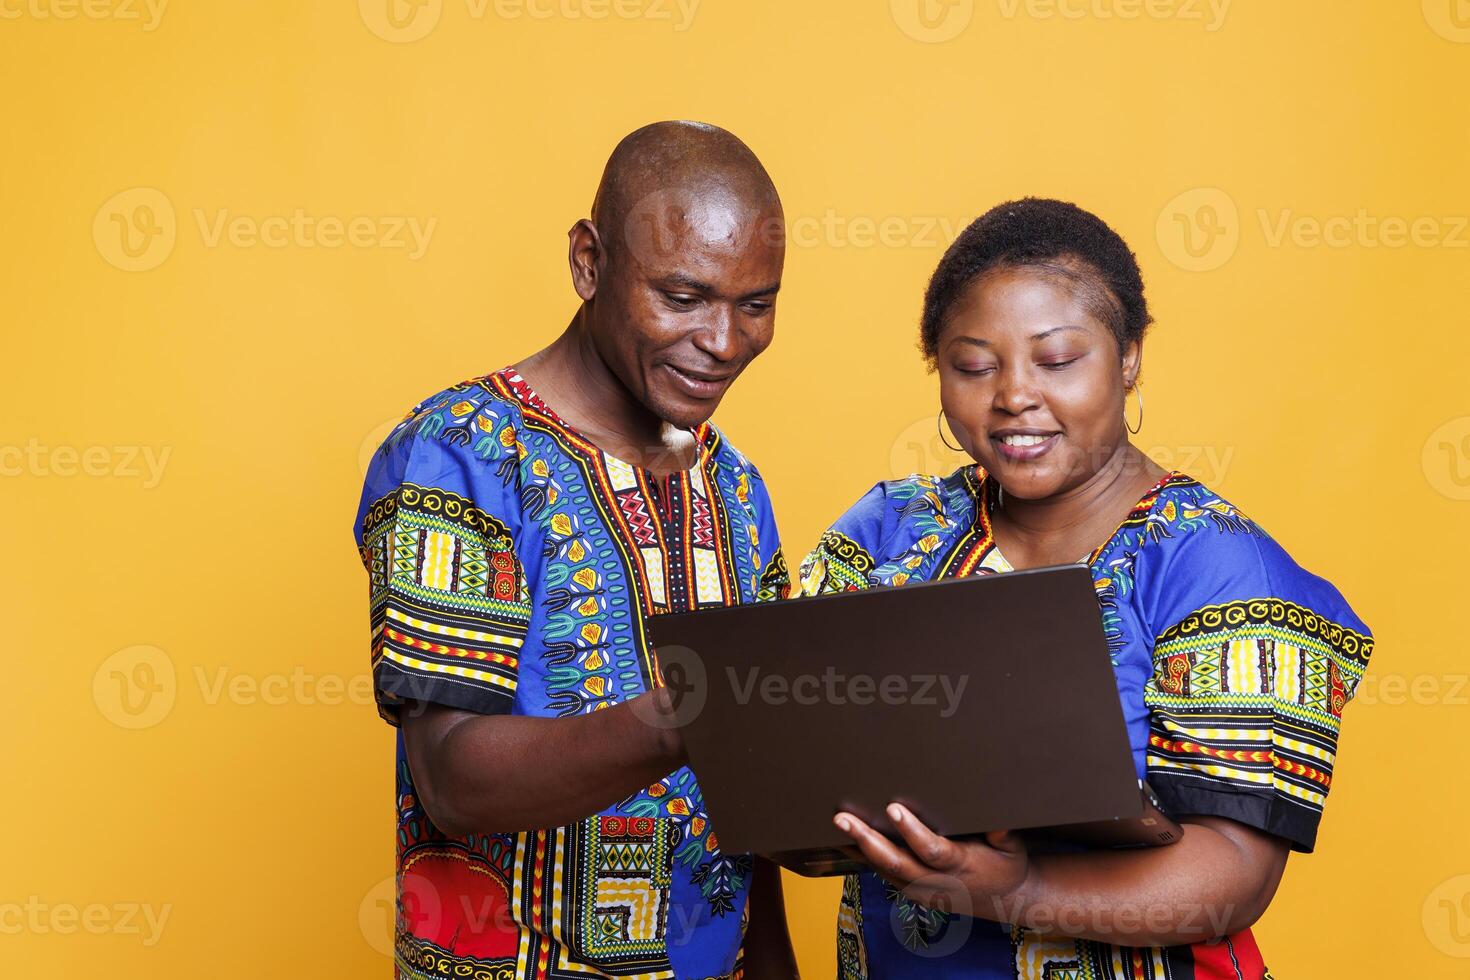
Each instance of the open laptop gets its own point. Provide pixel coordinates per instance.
(982, 703)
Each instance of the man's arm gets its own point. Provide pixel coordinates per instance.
(500, 774)
(768, 952)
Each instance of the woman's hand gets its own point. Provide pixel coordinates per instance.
(969, 877)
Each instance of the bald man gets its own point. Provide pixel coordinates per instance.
(518, 529)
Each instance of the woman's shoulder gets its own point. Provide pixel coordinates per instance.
(916, 504)
(892, 518)
(1201, 555)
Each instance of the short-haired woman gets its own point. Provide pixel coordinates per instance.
(1233, 663)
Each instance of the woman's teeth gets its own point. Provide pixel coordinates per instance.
(1024, 440)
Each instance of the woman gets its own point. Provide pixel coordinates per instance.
(1233, 663)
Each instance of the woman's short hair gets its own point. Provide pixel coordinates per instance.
(1046, 234)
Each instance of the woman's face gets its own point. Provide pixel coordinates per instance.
(1032, 381)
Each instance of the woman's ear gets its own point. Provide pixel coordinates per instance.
(1132, 363)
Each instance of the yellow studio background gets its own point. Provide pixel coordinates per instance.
(240, 238)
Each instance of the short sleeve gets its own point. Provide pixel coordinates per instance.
(843, 559)
(448, 600)
(1251, 671)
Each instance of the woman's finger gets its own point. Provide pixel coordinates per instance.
(939, 853)
(890, 861)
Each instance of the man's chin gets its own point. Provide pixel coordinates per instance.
(685, 413)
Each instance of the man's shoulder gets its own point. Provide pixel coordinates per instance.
(452, 440)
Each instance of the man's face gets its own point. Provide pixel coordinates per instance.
(687, 298)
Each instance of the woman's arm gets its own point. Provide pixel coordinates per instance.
(768, 951)
(1215, 881)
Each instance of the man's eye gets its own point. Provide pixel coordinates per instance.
(681, 300)
(756, 309)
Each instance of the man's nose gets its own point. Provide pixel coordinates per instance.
(720, 335)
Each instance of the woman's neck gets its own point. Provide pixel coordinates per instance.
(1066, 526)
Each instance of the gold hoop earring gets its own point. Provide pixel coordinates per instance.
(1138, 390)
(939, 427)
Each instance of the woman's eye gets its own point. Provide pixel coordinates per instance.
(974, 370)
(1058, 365)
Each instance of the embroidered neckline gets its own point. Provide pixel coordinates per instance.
(983, 483)
(511, 379)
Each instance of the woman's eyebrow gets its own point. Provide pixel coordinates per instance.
(1047, 333)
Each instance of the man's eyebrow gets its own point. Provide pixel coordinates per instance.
(774, 287)
(687, 281)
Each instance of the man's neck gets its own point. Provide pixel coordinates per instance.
(577, 383)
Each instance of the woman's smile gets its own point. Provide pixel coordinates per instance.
(1024, 445)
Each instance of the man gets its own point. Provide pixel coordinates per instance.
(518, 529)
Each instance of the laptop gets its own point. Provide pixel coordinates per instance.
(982, 703)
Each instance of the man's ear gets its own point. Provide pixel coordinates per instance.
(586, 258)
